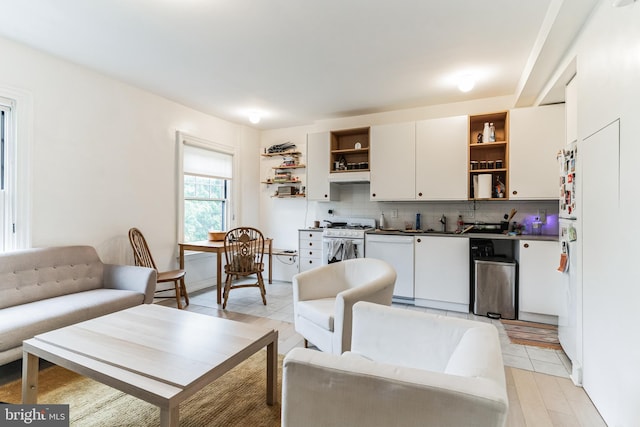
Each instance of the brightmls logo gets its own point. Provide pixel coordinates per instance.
(34, 415)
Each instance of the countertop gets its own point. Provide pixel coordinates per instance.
(469, 235)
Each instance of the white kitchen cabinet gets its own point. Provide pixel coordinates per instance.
(318, 186)
(537, 134)
(309, 249)
(392, 157)
(540, 284)
(441, 159)
(442, 272)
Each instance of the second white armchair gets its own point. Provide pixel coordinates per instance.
(324, 296)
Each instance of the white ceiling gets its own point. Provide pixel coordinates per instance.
(299, 61)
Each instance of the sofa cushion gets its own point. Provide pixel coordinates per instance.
(319, 311)
(27, 320)
(35, 274)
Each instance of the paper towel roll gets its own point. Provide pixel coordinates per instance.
(484, 186)
(475, 186)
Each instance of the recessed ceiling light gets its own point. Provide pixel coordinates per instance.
(254, 117)
(466, 82)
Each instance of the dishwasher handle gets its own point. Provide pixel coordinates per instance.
(386, 238)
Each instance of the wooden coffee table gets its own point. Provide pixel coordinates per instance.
(158, 354)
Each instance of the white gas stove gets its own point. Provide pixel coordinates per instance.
(343, 238)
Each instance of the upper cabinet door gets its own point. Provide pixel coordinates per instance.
(318, 186)
(537, 134)
(441, 159)
(392, 156)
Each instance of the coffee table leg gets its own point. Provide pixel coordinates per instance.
(169, 417)
(30, 364)
(272, 370)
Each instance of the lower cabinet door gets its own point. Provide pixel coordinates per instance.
(540, 285)
(442, 272)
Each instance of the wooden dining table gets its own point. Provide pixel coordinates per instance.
(218, 248)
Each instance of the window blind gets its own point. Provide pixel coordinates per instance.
(200, 161)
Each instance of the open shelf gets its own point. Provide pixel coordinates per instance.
(489, 157)
(349, 149)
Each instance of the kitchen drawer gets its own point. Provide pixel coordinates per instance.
(310, 253)
(306, 244)
(309, 263)
(310, 235)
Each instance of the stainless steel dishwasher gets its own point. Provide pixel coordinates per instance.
(397, 250)
(495, 288)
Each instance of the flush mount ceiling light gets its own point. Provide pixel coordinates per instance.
(254, 117)
(466, 82)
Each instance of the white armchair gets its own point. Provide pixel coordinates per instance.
(405, 368)
(324, 296)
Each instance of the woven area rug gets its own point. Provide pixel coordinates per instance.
(238, 398)
(534, 334)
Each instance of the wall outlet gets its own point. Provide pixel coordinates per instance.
(394, 213)
(542, 215)
(467, 214)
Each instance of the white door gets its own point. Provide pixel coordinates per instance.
(605, 286)
(392, 156)
(442, 272)
(535, 137)
(318, 159)
(540, 284)
(441, 159)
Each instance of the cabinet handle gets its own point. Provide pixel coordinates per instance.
(420, 194)
(310, 235)
(419, 240)
(310, 261)
(310, 253)
(526, 245)
(326, 195)
(310, 243)
(514, 192)
(373, 195)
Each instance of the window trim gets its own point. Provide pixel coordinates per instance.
(19, 179)
(183, 139)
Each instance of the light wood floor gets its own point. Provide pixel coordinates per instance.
(535, 399)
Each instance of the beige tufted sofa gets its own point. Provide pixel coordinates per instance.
(48, 288)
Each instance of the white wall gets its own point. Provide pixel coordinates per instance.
(103, 157)
(608, 70)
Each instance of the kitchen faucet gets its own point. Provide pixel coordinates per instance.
(443, 221)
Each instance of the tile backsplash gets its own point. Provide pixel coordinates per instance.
(354, 202)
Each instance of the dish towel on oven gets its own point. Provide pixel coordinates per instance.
(340, 249)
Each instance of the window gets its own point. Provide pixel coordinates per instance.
(206, 189)
(205, 203)
(6, 192)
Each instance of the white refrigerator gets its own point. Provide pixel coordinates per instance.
(569, 319)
